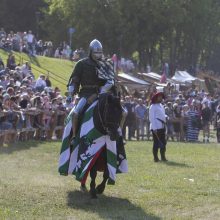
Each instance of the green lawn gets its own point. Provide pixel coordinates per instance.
(186, 187)
(59, 67)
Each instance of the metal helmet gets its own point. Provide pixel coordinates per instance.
(95, 49)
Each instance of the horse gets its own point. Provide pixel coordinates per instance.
(98, 146)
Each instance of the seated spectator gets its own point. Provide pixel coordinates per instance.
(1, 90)
(2, 33)
(48, 82)
(68, 104)
(10, 91)
(2, 66)
(8, 106)
(26, 69)
(18, 73)
(4, 124)
(46, 106)
(40, 83)
(11, 64)
(3, 82)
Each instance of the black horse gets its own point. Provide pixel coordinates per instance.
(106, 116)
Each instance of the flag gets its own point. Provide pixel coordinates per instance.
(163, 78)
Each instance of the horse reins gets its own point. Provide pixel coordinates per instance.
(104, 122)
(100, 117)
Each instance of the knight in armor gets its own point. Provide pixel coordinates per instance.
(91, 76)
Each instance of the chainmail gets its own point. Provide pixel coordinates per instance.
(105, 70)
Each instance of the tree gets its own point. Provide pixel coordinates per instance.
(20, 15)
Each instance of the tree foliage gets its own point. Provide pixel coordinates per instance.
(182, 32)
(20, 15)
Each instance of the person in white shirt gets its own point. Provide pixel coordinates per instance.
(157, 119)
(26, 69)
(40, 83)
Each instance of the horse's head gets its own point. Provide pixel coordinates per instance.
(110, 112)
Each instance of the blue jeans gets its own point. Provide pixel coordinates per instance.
(5, 125)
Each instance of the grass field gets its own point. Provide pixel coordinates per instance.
(60, 67)
(186, 187)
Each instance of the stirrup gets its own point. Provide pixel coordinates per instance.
(72, 140)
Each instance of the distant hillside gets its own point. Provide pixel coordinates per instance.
(59, 70)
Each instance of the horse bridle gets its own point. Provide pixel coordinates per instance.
(104, 122)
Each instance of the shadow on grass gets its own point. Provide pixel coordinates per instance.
(18, 146)
(107, 207)
(34, 60)
(173, 163)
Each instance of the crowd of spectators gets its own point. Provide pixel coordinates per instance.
(188, 112)
(28, 43)
(29, 108)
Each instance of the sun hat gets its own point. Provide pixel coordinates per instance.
(154, 97)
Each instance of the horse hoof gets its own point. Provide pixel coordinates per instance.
(83, 188)
(93, 194)
(100, 189)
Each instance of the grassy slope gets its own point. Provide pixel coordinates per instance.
(60, 67)
(187, 187)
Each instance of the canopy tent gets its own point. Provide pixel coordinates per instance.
(212, 81)
(132, 82)
(184, 77)
(152, 77)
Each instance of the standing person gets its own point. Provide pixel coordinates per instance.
(170, 113)
(129, 121)
(193, 118)
(2, 66)
(30, 42)
(206, 119)
(87, 81)
(217, 123)
(157, 119)
(140, 111)
(11, 64)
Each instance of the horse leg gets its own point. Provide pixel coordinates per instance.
(83, 187)
(101, 187)
(93, 174)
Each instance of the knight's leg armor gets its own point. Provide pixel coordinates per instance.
(75, 117)
(124, 115)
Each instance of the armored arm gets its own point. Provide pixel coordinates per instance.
(107, 86)
(75, 79)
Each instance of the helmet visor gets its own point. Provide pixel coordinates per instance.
(97, 55)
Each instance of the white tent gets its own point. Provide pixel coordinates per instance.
(152, 77)
(184, 77)
(132, 82)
